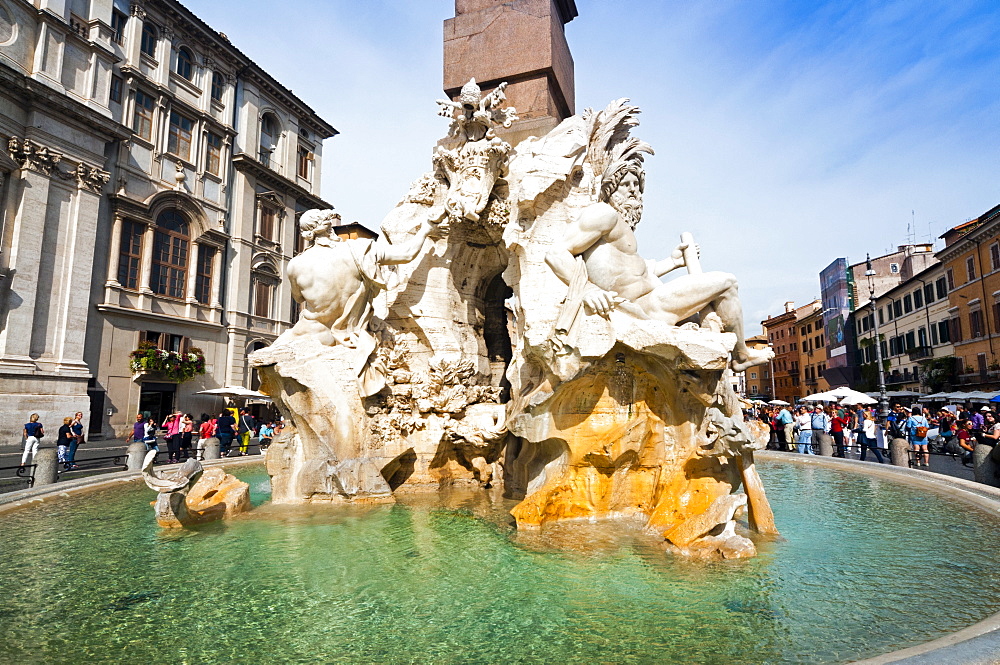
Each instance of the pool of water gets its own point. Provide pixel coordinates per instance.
(864, 566)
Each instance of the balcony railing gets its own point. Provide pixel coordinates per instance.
(975, 378)
(918, 352)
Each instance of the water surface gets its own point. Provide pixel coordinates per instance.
(864, 566)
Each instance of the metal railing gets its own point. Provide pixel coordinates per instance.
(21, 473)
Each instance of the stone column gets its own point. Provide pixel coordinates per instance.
(47, 471)
(984, 468)
(899, 452)
(146, 268)
(825, 444)
(115, 252)
(212, 449)
(136, 454)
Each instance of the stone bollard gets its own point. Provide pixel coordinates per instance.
(136, 454)
(211, 450)
(983, 466)
(47, 471)
(825, 444)
(899, 452)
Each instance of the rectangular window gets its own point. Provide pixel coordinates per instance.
(203, 278)
(934, 334)
(918, 299)
(922, 337)
(881, 319)
(267, 224)
(303, 162)
(213, 154)
(996, 316)
(148, 42)
(955, 329)
(970, 267)
(907, 304)
(118, 20)
(944, 332)
(976, 324)
(929, 293)
(911, 341)
(116, 89)
(179, 138)
(142, 119)
(262, 299)
(897, 309)
(995, 256)
(169, 273)
(130, 254)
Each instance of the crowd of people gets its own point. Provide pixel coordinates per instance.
(797, 429)
(180, 431)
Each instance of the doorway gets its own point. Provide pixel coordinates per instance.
(156, 400)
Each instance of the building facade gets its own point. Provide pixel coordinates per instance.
(782, 335)
(970, 262)
(812, 349)
(191, 164)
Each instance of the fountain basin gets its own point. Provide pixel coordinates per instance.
(867, 565)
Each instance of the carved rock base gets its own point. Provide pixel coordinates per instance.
(216, 495)
(628, 438)
(325, 452)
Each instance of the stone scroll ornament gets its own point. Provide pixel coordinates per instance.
(506, 333)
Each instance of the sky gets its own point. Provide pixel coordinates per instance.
(787, 133)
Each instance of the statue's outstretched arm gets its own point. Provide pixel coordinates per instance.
(406, 252)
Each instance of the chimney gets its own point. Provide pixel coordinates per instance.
(789, 306)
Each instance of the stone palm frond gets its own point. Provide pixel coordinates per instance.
(609, 143)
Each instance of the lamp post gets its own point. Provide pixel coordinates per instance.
(883, 398)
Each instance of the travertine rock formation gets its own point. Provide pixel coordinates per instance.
(507, 331)
(191, 495)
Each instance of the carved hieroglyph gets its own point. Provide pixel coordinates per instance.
(524, 343)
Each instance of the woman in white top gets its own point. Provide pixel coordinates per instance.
(869, 437)
(803, 420)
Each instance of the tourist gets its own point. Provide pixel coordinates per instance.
(869, 437)
(186, 431)
(266, 434)
(916, 431)
(225, 430)
(819, 421)
(978, 420)
(946, 425)
(149, 436)
(138, 429)
(965, 441)
(803, 421)
(205, 432)
(173, 426)
(76, 426)
(787, 426)
(247, 428)
(63, 440)
(33, 432)
(840, 423)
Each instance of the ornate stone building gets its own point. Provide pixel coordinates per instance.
(153, 178)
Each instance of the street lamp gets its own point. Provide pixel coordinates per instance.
(883, 398)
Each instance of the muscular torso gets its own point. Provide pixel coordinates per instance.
(325, 278)
(613, 264)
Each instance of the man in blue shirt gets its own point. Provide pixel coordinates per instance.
(788, 427)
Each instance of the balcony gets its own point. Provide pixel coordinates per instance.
(918, 352)
(978, 378)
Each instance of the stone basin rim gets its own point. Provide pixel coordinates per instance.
(972, 645)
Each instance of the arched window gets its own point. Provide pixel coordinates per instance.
(268, 137)
(148, 43)
(171, 244)
(184, 63)
(265, 280)
(218, 86)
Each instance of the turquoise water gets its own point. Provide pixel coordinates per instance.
(865, 566)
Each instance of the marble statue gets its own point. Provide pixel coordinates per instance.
(522, 345)
(191, 495)
(337, 282)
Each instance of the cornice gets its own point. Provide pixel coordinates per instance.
(246, 164)
(32, 156)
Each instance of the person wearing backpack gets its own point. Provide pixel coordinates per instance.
(916, 430)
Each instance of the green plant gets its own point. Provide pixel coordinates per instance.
(174, 366)
(938, 373)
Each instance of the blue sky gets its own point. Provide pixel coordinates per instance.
(787, 134)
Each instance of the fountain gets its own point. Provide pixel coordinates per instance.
(502, 450)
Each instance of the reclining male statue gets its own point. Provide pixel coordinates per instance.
(610, 273)
(337, 281)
